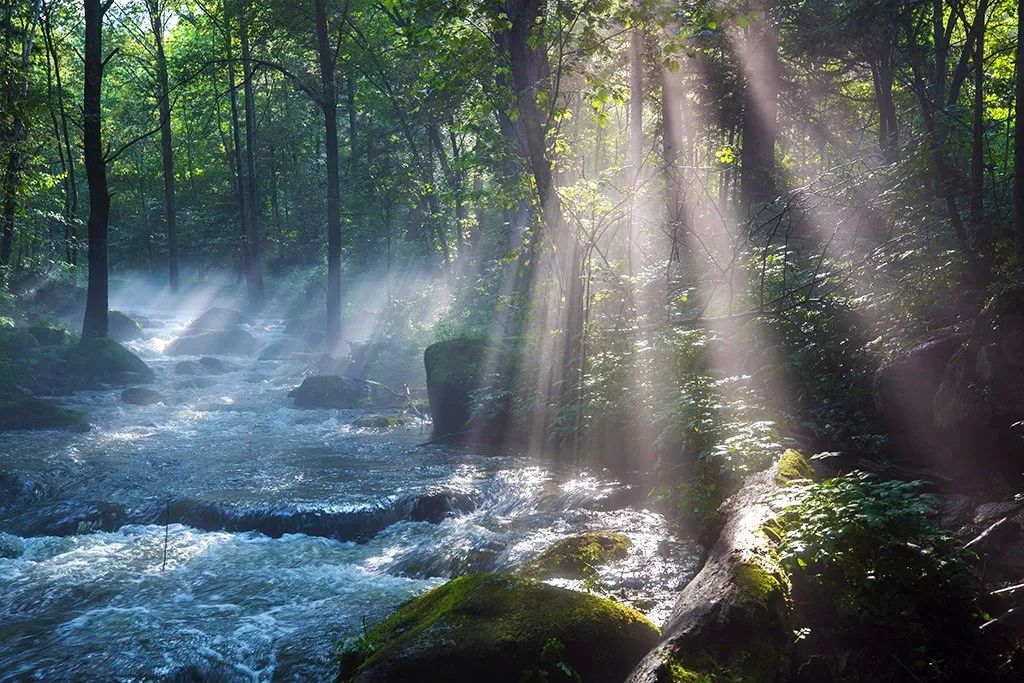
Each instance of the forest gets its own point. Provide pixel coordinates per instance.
(525, 341)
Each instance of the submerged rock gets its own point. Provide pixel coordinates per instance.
(340, 393)
(576, 556)
(218, 366)
(217, 343)
(32, 413)
(122, 327)
(189, 367)
(501, 629)
(220, 318)
(140, 396)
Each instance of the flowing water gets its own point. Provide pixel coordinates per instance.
(225, 535)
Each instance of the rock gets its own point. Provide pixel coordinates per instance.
(733, 620)
(341, 393)
(454, 369)
(380, 421)
(50, 336)
(218, 366)
(979, 400)
(10, 546)
(218, 343)
(103, 361)
(439, 504)
(32, 413)
(905, 387)
(140, 396)
(219, 318)
(122, 327)
(189, 367)
(18, 490)
(17, 343)
(289, 348)
(61, 297)
(500, 629)
(576, 556)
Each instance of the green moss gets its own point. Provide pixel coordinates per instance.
(576, 556)
(101, 358)
(793, 467)
(758, 585)
(31, 413)
(380, 421)
(496, 622)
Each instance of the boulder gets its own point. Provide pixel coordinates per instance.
(32, 413)
(905, 387)
(47, 335)
(340, 393)
(217, 343)
(733, 620)
(500, 629)
(289, 348)
(218, 366)
(17, 343)
(96, 361)
(61, 297)
(454, 368)
(219, 318)
(122, 327)
(575, 557)
(189, 367)
(140, 396)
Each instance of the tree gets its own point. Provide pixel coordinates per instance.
(1018, 140)
(95, 321)
(155, 9)
(329, 106)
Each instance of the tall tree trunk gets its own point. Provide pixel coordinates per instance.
(254, 274)
(978, 127)
(236, 147)
(672, 140)
(760, 108)
(95, 322)
(636, 142)
(1018, 141)
(166, 146)
(64, 136)
(329, 106)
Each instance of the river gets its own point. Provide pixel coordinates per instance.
(225, 535)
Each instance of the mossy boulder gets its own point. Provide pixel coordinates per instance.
(32, 413)
(61, 297)
(575, 557)
(141, 396)
(122, 327)
(50, 335)
(220, 318)
(454, 369)
(380, 421)
(17, 343)
(338, 393)
(96, 360)
(501, 629)
(214, 343)
(793, 467)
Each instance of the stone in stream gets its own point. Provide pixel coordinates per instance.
(218, 366)
(140, 396)
(339, 393)
(576, 556)
(95, 361)
(453, 374)
(501, 629)
(217, 343)
(22, 412)
(220, 318)
(122, 327)
(189, 367)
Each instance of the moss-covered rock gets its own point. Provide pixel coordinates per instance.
(17, 343)
(454, 368)
(793, 466)
(500, 629)
(214, 343)
(95, 361)
(122, 327)
(339, 393)
(220, 318)
(50, 335)
(32, 413)
(380, 421)
(575, 557)
(61, 296)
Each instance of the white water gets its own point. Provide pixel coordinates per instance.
(87, 594)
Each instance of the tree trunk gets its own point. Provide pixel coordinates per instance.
(672, 140)
(329, 106)
(166, 146)
(95, 322)
(1018, 142)
(70, 181)
(978, 127)
(236, 147)
(760, 109)
(636, 143)
(254, 273)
